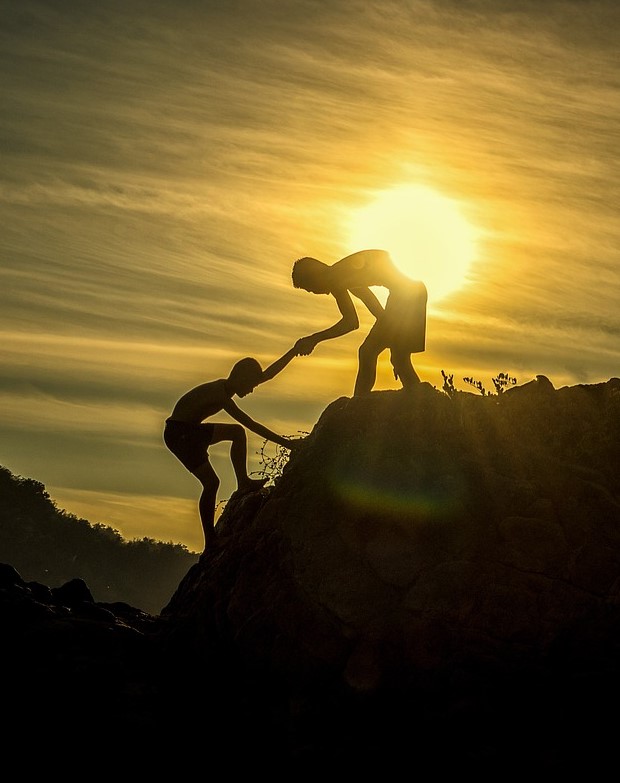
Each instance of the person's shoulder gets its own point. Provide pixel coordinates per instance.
(212, 384)
(222, 386)
(214, 389)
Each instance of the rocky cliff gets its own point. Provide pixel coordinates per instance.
(433, 579)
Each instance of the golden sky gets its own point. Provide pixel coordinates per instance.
(163, 165)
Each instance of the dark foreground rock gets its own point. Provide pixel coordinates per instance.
(433, 581)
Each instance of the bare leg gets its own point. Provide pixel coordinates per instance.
(368, 355)
(238, 455)
(206, 504)
(403, 370)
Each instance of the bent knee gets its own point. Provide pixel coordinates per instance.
(400, 359)
(207, 476)
(238, 432)
(222, 432)
(368, 350)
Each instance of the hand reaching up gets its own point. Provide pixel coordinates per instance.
(293, 443)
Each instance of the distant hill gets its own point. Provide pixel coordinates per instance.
(49, 545)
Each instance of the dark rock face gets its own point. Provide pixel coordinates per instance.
(422, 548)
(433, 580)
(73, 673)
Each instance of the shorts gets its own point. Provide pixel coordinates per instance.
(402, 327)
(188, 442)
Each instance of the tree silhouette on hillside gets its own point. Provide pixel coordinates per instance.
(49, 545)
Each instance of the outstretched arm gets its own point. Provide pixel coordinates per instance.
(370, 300)
(242, 417)
(346, 324)
(273, 369)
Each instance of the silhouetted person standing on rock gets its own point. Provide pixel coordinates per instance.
(400, 325)
(188, 437)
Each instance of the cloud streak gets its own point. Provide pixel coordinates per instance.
(164, 164)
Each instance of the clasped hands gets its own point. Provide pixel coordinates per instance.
(305, 345)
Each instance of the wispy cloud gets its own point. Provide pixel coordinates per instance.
(164, 164)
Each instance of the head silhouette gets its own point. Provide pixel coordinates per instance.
(245, 376)
(311, 275)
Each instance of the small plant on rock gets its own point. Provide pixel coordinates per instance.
(272, 464)
(500, 382)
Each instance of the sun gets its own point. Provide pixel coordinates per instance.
(425, 232)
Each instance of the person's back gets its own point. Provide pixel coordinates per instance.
(201, 402)
(366, 268)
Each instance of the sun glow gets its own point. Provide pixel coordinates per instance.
(424, 232)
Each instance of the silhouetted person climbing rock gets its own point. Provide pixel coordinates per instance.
(400, 326)
(188, 437)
